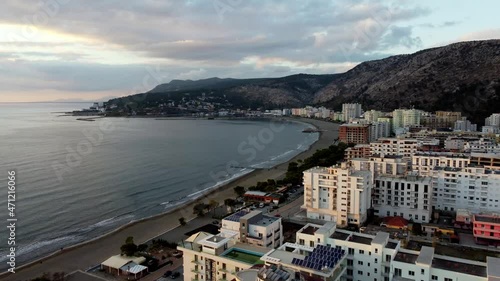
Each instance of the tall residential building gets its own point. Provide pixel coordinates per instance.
(464, 125)
(379, 130)
(373, 115)
(339, 194)
(411, 117)
(473, 188)
(354, 133)
(351, 110)
(254, 228)
(397, 119)
(408, 196)
(493, 120)
(392, 165)
(395, 146)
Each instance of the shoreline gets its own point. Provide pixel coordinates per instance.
(143, 230)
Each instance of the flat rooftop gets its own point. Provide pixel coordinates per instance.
(490, 219)
(243, 255)
(265, 220)
(361, 240)
(465, 268)
(406, 257)
(339, 235)
(236, 216)
(391, 245)
(309, 230)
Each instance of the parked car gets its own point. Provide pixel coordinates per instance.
(177, 254)
(261, 205)
(167, 274)
(175, 275)
(215, 222)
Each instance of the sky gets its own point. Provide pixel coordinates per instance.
(67, 50)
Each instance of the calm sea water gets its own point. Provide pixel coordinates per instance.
(77, 180)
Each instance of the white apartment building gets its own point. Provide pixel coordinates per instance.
(379, 258)
(493, 120)
(490, 130)
(351, 110)
(476, 189)
(423, 163)
(411, 117)
(216, 257)
(464, 125)
(408, 196)
(394, 146)
(254, 228)
(379, 130)
(339, 194)
(373, 115)
(381, 165)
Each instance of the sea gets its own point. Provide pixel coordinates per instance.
(77, 180)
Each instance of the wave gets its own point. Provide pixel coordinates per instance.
(56, 243)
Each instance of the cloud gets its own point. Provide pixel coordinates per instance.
(481, 35)
(103, 46)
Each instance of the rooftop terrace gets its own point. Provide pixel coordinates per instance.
(361, 239)
(309, 230)
(490, 219)
(406, 257)
(339, 235)
(465, 268)
(391, 245)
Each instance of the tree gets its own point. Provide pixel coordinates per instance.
(213, 205)
(239, 190)
(142, 247)
(129, 248)
(199, 209)
(230, 203)
(182, 221)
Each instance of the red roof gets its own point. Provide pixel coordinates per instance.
(395, 221)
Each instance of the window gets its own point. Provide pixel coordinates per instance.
(350, 262)
(375, 270)
(376, 260)
(411, 273)
(422, 271)
(360, 272)
(376, 250)
(360, 263)
(350, 251)
(362, 252)
(434, 277)
(447, 279)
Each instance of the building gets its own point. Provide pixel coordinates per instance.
(253, 195)
(464, 125)
(373, 115)
(473, 188)
(488, 160)
(254, 228)
(358, 151)
(408, 196)
(379, 130)
(351, 110)
(486, 229)
(493, 120)
(424, 163)
(354, 133)
(377, 257)
(394, 146)
(381, 165)
(217, 257)
(125, 266)
(339, 194)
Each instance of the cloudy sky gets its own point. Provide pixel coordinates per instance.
(90, 50)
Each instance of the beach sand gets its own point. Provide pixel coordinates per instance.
(93, 252)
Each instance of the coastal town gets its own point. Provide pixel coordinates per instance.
(412, 193)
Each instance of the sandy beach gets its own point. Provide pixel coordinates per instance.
(93, 252)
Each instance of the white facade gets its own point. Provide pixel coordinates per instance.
(379, 130)
(490, 130)
(473, 188)
(254, 228)
(493, 120)
(339, 194)
(379, 165)
(394, 146)
(424, 163)
(380, 258)
(373, 115)
(411, 117)
(408, 196)
(464, 125)
(351, 110)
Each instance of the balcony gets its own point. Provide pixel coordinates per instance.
(197, 262)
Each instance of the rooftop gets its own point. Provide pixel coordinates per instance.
(309, 230)
(243, 255)
(465, 268)
(391, 245)
(339, 235)
(236, 216)
(406, 257)
(487, 218)
(361, 239)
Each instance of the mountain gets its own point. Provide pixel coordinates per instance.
(462, 77)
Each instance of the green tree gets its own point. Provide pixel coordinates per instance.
(199, 209)
(230, 203)
(129, 248)
(182, 221)
(213, 205)
(142, 247)
(239, 190)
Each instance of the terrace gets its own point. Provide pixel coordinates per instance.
(361, 239)
(465, 268)
(339, 235)
(406, 257)
(310, 230)
(391, 245)
(242, 255)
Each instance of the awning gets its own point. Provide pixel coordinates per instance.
(133, 268)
